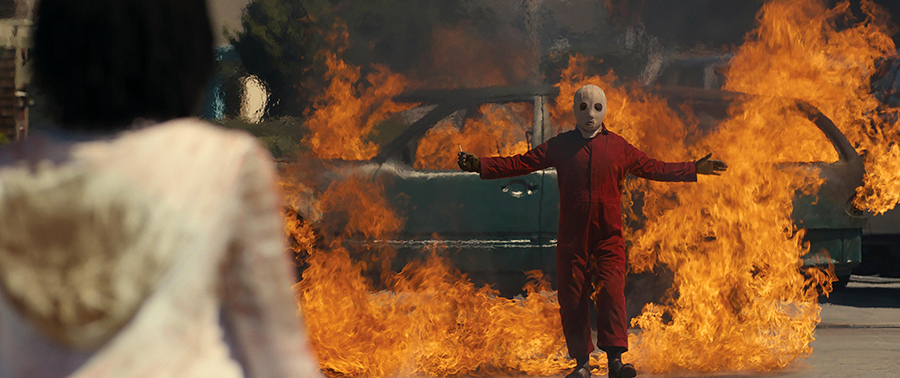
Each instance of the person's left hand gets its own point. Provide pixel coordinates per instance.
(707, 166)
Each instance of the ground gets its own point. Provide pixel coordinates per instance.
(859, 336)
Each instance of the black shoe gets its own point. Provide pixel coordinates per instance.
(619, 370)
(580, 372)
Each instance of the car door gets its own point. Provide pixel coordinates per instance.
(488, 228)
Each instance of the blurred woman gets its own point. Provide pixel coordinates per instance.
(136, 241)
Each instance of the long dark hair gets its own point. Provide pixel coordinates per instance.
(104, 63)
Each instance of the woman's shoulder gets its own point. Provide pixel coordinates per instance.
(191, 137)
(192, 130)
(184, 135)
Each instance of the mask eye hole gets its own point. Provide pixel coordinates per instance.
(598, 106)
(583, 105)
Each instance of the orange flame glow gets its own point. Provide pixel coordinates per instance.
(347, 111)
(740, 300)
(634, 114)
(429, 320)
(500, 132)
(741, 303)
(799, 51)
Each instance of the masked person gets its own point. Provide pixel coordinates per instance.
(591, 163)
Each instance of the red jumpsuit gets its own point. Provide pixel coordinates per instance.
(590, 243)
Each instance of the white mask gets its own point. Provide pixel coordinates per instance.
(590, 110)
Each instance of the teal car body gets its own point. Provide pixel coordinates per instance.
(494, 230)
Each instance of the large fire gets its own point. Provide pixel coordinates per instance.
(429, 319)
(740, 300)
(345, 114)
(498, 132)
(799, 51)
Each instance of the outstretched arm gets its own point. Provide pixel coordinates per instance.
(642, 166)
(510, 166)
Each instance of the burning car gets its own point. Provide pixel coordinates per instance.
(495, 230)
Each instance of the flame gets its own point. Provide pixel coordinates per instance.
(740, 300)
(429, 319)
(346, 113)
(501, 131)
(880, 192)
(634, 114)
(742, 303)
(804, 50)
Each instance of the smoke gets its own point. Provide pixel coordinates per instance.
(463, 57)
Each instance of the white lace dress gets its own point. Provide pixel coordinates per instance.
(156, 252)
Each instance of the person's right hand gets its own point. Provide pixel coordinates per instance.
(707, 166)
(468, 162)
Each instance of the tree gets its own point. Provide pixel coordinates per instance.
(276, 44)
(280, 39)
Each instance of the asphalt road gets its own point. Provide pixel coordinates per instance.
(859, 336)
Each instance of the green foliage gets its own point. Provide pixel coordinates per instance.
(276, 44)
(281, 38)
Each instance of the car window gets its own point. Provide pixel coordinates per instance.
(488, 130)
(392, 127)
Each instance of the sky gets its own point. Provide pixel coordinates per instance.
(225, 14)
